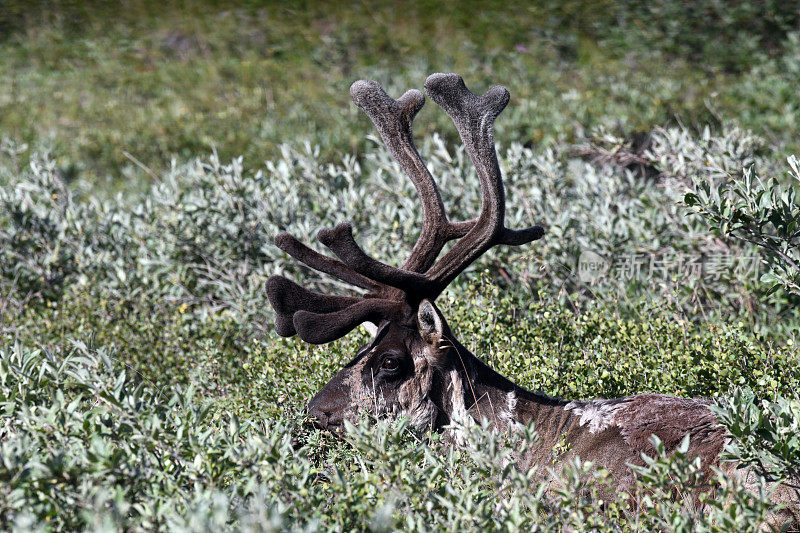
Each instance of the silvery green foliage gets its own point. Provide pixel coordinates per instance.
(38, 240)
(667, 502)
(681, 155)
(764, 213)
(84, 446)
(766, 434)
(201, 237)
(617, 213)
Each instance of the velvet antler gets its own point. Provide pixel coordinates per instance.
(394, 293)
(474, 118)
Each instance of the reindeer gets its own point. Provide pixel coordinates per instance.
(414, 366)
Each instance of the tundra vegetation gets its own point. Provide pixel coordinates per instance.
(141, 384)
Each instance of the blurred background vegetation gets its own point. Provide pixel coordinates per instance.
(104, 84)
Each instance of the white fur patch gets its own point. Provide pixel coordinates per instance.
(511, 402)
(598, 414)
(457, 396)
(511, 406)
(458, 417)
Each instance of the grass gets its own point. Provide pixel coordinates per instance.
(111, 90)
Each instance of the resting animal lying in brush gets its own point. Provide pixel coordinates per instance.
(414, 367)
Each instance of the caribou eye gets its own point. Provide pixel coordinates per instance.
(390, 364)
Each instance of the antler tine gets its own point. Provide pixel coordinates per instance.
(340, 240)
(287, 298)
(319, 328)
(320, 318)
(394, 120)
(474, 118)
(322, 263)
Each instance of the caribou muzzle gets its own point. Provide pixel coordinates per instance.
(327, 408)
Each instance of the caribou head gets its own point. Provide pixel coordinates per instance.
(414, 366)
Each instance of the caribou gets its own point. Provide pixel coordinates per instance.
(414, 367)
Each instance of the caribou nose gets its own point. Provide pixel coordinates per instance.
(317, 417)
(327, 409)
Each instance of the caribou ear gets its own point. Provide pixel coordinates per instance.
(430, 322)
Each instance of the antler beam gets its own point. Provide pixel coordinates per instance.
(474, 118)
(394, 120)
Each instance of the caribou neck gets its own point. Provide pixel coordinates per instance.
(482, 393)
